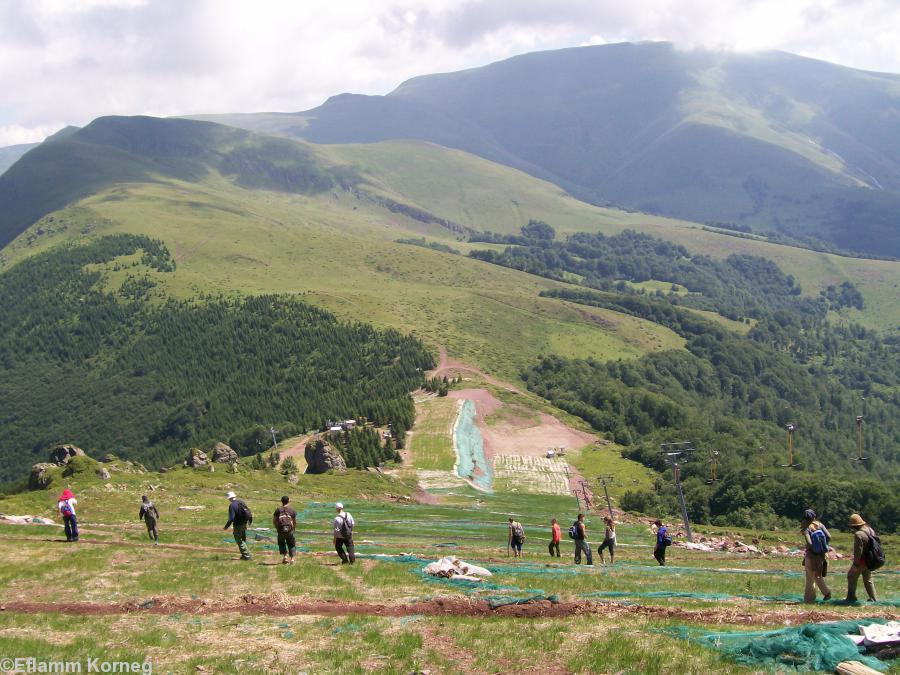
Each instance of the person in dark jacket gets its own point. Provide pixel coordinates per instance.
(149, 515)
(662, 536)
(862, 535)
(581, 542)
(285, 521)
(240, 516)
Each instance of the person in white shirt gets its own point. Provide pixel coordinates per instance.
(66, 508)
(609, 541)
(342, 528)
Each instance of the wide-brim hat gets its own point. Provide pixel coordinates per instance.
(856, 521)
(230, 495)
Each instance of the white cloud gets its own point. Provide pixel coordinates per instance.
(68, 62)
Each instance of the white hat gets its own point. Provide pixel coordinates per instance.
(338, 506)
(231, 495)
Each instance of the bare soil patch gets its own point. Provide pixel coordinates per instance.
(252, 605)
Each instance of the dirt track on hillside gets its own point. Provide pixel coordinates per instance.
(251, 605)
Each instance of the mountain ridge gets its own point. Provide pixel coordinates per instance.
(775, 141)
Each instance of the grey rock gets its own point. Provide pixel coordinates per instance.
(63, 454)
(103, 473)
(40, 477)
(321, 458)
(223, 454)
(196, 457)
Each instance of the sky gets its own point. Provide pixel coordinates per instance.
(69, 61)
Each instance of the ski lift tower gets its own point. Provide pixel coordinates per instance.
(676, 454)
(604, 480)
(273, 431)
(791, 464)
(859, 441)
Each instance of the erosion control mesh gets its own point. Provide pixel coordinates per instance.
(817, 647)
(727, 596)
(471, 462)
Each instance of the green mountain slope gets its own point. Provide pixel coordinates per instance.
(771, 140)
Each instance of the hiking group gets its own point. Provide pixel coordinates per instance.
(868, 554)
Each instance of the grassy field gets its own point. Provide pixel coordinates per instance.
(339, 253)
(430, 446)
(485, 196)
(193, 606)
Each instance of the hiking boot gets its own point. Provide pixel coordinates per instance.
(246, 557)
(284, 560)
(291, 561)
(826, 597)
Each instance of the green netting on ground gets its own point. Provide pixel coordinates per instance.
(817, 647)
(471, 462)
(726, 596)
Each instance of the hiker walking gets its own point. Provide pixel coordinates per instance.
(864, 539)
(816, 538)
(343, 535)
(555, 536)
(516, 537)
(240, 516)
(149, 515)
(663, 541)
(66, 507)
(609, 541)
(578, 532)
(285, 521)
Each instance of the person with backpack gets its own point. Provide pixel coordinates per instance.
(343, 535)
(66, 507)
(555, 536)
(241, 517)
(609, 541)
(516, 536)
(815, 539)
(663, 541)
(285, 521)
(149, 515)
(578, 532)
(867, 556)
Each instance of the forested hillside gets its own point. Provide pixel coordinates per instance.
(126, 370)
(729, 392)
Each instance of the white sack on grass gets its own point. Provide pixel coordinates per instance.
(451, 566)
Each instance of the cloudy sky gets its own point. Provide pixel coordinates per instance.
(69, 61)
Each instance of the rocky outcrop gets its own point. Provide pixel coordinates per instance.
(321, 458)
(196, 457)
(40, 477)
(102, 473)
(223, 454)
(63, 454)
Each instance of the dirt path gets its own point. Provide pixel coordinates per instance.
(297, 450)
(448, 366)
(251, 605)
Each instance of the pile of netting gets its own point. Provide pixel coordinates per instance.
(816, 646)
(496, 595)
(723, 596)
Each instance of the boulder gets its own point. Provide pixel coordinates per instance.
(63, 454)
(109, 457)
(223, 454)
(196, 457)
(321, 458)
(103, 473)
(40, 477)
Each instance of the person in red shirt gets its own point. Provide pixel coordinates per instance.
(555, 536)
